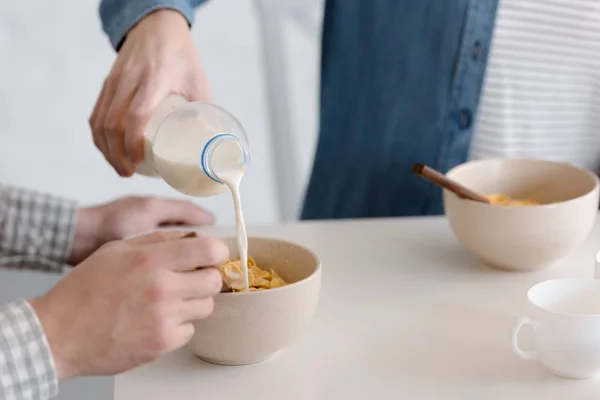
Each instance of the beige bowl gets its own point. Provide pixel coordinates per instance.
(250, 327)
(523, 238)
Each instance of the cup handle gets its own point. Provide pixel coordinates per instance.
(520, 323)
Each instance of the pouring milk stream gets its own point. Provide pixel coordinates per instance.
(200, 150)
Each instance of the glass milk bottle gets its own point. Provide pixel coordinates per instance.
(188, 143)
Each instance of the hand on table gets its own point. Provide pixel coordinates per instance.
(130, 302)
(158, 58)
(130, 216)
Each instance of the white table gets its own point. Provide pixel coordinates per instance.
(405, 313)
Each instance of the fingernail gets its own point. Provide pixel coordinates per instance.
(124, 172)
(126, 167)
(136, 155)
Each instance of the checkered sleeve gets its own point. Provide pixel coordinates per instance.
(27, 370)
(36, 229)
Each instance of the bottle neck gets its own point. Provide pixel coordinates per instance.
(216, 144)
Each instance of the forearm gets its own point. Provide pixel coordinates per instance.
(36, 229)
(119, 16)
(27, 368)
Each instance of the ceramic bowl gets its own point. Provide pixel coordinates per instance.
(523, 238)
(250, 327)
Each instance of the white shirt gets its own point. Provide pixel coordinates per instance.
(541, 92)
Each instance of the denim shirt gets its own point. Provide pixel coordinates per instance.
(400, 83)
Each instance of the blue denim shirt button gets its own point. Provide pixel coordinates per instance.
(476, 50)
(464, 118)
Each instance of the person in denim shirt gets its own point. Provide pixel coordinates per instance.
(402, 81)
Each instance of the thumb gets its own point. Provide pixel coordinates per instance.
(199, 90)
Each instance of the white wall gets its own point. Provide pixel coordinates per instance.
(53, 58)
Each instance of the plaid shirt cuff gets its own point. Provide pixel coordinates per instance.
(36, 229)
(27, 369)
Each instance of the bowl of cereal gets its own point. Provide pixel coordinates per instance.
(538, 211)
(251, 326)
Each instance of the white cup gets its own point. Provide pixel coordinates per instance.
(566, 326)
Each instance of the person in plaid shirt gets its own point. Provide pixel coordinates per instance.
(127, 302)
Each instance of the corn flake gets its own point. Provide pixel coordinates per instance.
(504, 200)
(258, 278)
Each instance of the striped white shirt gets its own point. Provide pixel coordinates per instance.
(541, 93)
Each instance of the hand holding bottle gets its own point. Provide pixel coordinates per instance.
(157, 58)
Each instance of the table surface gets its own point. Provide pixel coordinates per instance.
(404, 313)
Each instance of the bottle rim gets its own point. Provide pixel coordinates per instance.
(210, 147)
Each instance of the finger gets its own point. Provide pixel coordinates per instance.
(115, 127)
(101, 127)
(200, 284)
(182, 212)
(97, 133)
(199, 90)
(183, 334)
(192, 310)
(189, 253)
(156, 237)
(142, 106)
(118, 158)
(97, 106)
(176, 336)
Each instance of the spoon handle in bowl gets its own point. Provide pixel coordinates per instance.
(441, 180)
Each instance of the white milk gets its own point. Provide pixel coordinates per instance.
(200, 150)
(177, 159)
(161, 112)
(232, 175)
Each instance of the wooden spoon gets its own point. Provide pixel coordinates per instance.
(441, 180)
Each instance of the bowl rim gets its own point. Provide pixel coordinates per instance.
(595, 179)
(289, 285)
(580, 280)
